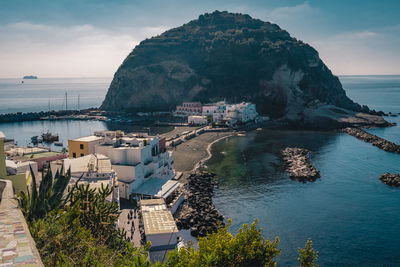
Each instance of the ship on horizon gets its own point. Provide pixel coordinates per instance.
(30, 77)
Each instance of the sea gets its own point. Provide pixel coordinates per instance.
(352, 218)
(46, 94)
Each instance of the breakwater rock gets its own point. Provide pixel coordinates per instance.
(373, 139)
(299, 164)
(198, 212)
(390, 179)
(48, 115)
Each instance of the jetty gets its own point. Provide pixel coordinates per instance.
(373, 139)
(390, 179)
(299, 164)
(84, 114)
(198, 213)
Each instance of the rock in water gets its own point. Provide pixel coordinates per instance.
(234, 57)
(390, 179)
(299, 164)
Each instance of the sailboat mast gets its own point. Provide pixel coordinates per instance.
(79, 102)
(66, 101)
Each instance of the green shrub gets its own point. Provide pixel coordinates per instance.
(307, 255)
(247, 248)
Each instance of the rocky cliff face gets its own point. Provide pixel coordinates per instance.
(226, 56)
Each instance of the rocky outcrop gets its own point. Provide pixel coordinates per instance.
(299, 164)
(373, 139)
(234, 57)
(198, 212)
(390, 179)
(329, 117)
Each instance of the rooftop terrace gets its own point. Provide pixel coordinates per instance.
(157, 218)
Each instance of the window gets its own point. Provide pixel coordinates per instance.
(81, 146)
(74, 155)
(82, 155)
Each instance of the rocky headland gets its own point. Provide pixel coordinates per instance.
(229, 56)
(299, 164)
(390, 179)
(373, 139)
(198, 212)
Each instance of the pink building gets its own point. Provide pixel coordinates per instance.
(189, 108)
(46, 157)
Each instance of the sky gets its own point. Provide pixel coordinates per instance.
(91, 38)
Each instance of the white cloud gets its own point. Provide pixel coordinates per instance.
(361, 53)
(76, 51)
(292, 13)
(86, 50)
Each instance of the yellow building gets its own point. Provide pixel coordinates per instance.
(20, 180)
(83, 146)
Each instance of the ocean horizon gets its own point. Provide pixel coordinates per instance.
(36, 95)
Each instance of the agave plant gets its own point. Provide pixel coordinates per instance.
(35, 204)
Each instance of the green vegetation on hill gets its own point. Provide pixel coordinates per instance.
(229, 56)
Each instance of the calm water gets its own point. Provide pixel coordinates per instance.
(35, 95)
(352, 218)
(22, 132)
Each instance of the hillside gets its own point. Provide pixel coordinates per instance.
(234, 57)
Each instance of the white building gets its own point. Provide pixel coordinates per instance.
(241, 113)
(94, 169)
(159, 225)
(232, 114)
(137, 158)
(18, 167)
(197, 120)
(209, 109)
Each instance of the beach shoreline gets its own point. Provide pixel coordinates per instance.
(209, 147)
(192, 154)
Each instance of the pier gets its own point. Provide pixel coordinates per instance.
(198, 213)
(84, 114)
(373, 139)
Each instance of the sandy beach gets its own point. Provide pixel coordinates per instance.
(189, 154)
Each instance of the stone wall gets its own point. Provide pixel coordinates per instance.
(17, 247)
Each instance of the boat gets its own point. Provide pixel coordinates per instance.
(49, 137)
(30, 77)
(58, 143)
(34, 139)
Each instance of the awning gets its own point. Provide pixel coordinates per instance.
(157, 187)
